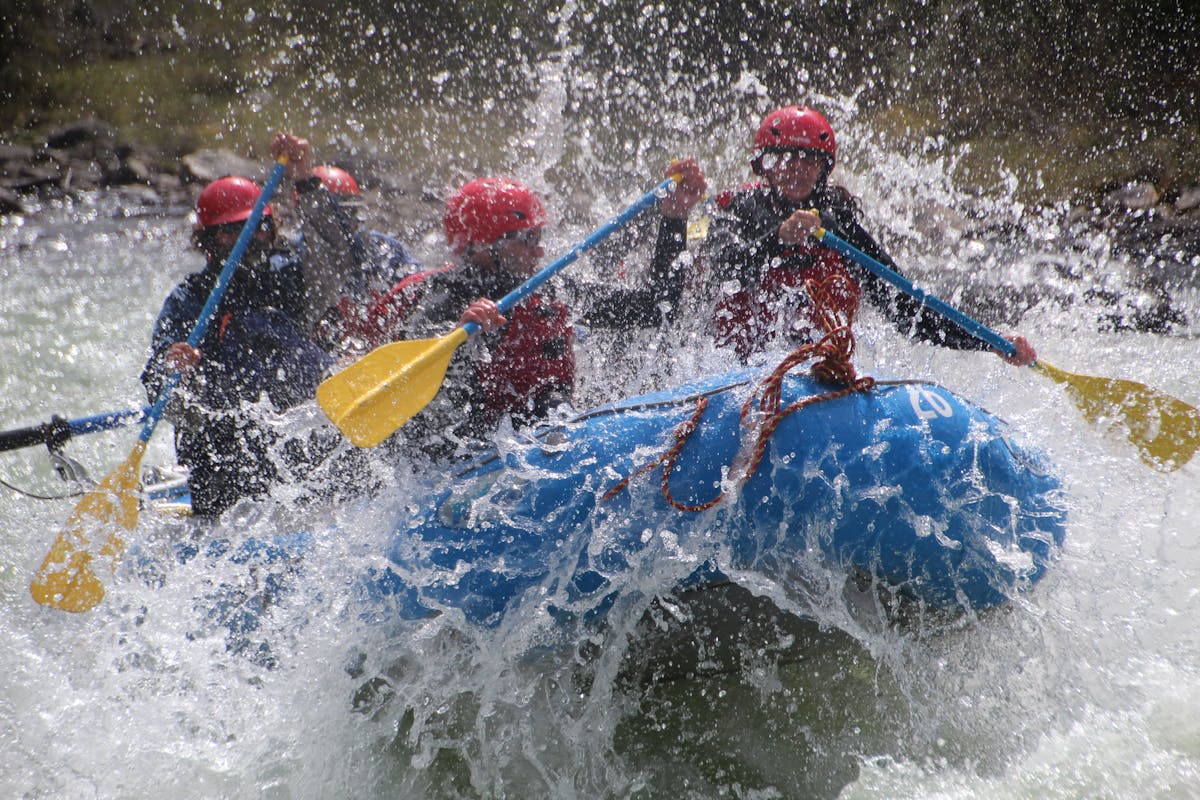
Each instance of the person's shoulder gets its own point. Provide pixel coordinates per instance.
(390, 250)
(196, 284)
(427, 284)
(446, 274)
(419, 281)
(838, 201)
(739, 195)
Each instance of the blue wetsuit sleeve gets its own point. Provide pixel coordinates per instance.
(175, 321)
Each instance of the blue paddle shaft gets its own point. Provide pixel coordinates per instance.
(599, 235)
(971, 326)
(107, 421)
(214, 298)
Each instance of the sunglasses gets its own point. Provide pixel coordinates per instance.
(778, 159)
(530, 237)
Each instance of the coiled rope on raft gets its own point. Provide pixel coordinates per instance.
(833, 366)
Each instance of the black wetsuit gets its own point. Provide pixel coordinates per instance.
(743, 243)
(253, 351)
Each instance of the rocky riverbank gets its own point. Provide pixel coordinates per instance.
(91, 155)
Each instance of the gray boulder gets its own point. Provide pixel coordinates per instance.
(205, 166)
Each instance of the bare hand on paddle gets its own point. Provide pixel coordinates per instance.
(298, 152)
(1024, 355)
(181, 357)
(690, 190)
(799, 226)
(484, 313)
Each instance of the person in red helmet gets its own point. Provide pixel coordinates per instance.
(328, 248)
(373, 263)
(493, 226)
(758, 253)
(253, 352)
(521, 366)
(346, 268)
(338, 182)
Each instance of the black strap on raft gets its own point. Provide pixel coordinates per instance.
(54, 434)
(58, 431)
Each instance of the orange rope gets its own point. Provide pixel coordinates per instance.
(834, 351)
(680, 435)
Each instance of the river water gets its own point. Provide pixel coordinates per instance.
(1088, 686)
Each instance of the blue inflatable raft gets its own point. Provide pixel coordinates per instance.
(905, 483)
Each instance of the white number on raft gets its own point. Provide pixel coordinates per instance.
(927, 403)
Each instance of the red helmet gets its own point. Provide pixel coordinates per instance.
(794, 128)
(226, 200)
(337, 180)
(487, 208)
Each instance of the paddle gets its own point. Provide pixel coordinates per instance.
(58, 430)
(65, 580)
(1165, 430)
(373, 397)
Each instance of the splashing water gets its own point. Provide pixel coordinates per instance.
(1086, 686)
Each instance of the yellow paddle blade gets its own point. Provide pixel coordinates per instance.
(369, 400)
(1165, 429)
(65, 580)
(697, 229)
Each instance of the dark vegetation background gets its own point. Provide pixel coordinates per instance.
(1074, 97)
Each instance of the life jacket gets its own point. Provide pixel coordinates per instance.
(533, 359)
(372, 319)
(534, 362)
(779, 306)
